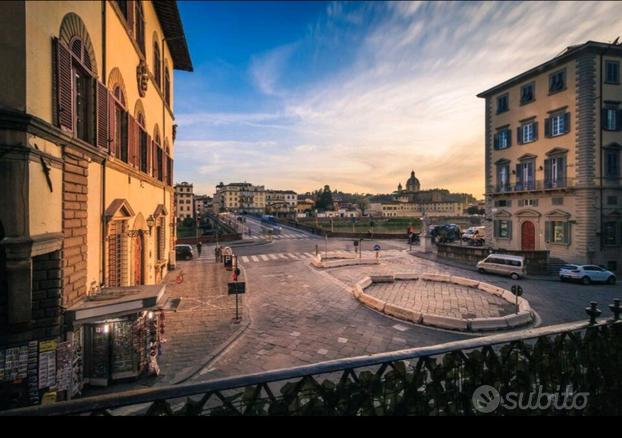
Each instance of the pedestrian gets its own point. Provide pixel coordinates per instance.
(199, 245)
(236, 274)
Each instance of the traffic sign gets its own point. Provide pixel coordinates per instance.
(227, 251)
(517, 290)
(237, 288)
(376, 247)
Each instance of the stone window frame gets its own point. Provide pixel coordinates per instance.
(606, 68)
(564, 76)
(531, 84)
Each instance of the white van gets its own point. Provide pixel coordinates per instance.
(504, 264)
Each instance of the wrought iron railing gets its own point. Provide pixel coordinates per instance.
(434, 380)
(535, 185)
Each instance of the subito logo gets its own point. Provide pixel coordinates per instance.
(486, 399)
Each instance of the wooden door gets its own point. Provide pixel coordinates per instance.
(528, 236)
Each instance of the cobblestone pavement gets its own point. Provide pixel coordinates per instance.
(438, 298)
(202, 322)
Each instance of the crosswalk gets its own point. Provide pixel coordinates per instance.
(294, 256)
(279, 236)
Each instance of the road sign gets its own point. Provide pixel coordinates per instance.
(356, 243)
(237, 288)
(517, 290)
(227, 251)
(376, 247)
(228, 262)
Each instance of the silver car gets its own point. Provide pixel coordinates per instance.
(586, 274)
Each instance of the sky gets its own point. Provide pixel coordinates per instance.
(296, 95)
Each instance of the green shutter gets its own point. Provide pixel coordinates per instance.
(509, 229)
(547, 231)
(567, 233)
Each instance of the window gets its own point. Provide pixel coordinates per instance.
(612, 72)
(557, 81)
(525, 175)
(503, 139)
(557, 232)
(120, 123)
(156, 64)
(123, 6)
(140, 26)
(557, 201)
(612, 200)
(610, 235)
(557, 124)
(527, 93)
(503, 229)
(612, 163)
(527, 132)
(117, 252)
(527, 202)
(503, 177)
(167, 87)
(503, 203)
(502, 103)
(83, 96)
(555, 172)
(612, 118)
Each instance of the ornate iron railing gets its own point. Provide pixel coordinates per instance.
(434, 380)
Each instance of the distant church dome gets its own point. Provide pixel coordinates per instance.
(412, 185)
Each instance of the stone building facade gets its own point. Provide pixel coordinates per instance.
(184, 201)
(553, 146)
(86, 160)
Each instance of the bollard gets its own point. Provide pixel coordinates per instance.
(616, 309)
(593, 312)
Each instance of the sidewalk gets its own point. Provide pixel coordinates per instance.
(203, 322)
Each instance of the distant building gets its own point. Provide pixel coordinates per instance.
(552, 155)
(414, 202)
(281, 202)
(184, 201)
(202, 205)
(304, 205)
(240, 198)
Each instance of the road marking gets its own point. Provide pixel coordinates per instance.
(264, 257)
(322, 351)
(283, 256)
(342, 340)
(254, 258)
(294, 256)
(400, 327)
(273, 257)
(245, 259)
(309, 254)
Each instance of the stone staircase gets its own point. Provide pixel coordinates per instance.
(555, 264)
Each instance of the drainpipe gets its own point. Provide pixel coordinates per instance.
(102, 222)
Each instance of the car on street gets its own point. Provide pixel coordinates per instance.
(586, 274)
(474, 236)
(504, 264)
(184, 252)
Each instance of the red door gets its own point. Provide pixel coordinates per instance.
(138, 260)
(528, 236)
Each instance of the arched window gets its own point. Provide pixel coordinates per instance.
(120, 120)
(143, 143)
(83, 99)
(158, 171)
(140, 25)
(156, 64)
(167, 87)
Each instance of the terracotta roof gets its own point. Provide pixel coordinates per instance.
(168, 14)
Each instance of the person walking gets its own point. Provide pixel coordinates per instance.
(199, 245)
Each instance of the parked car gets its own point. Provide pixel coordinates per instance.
(475, 236)
(586, 274)
(503, 264)
(446, 233)
(184, 252)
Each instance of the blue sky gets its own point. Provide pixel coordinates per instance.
(295, 95)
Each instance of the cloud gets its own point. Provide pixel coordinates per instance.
(402, 97)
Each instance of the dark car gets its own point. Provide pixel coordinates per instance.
(446, 233)
(184, 252)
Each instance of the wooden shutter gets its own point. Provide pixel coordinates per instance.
(131, 139)
(509, 137)
(567, 233)
(64, 87)
(509, 229)
(149, 155)
(547, 127)
(496, 141)
(567, 122)
(535, 131)
(130, 16)
(102, 115)
(112, 126)
(164, 167)
(547, 173)
(603, 118)
(170, 171)
(519, 135)
(154, 158)
(547, 231)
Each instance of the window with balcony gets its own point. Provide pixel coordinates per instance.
(503, 103)
(527, 93)
(527, 132)
(555, 172)
(503, 177)
(557, 81)
(525, 175)
(612, 72)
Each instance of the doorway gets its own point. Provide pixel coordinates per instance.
(528, 236)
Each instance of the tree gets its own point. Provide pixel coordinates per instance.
(325, 199)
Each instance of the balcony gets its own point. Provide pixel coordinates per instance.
(533, 186)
